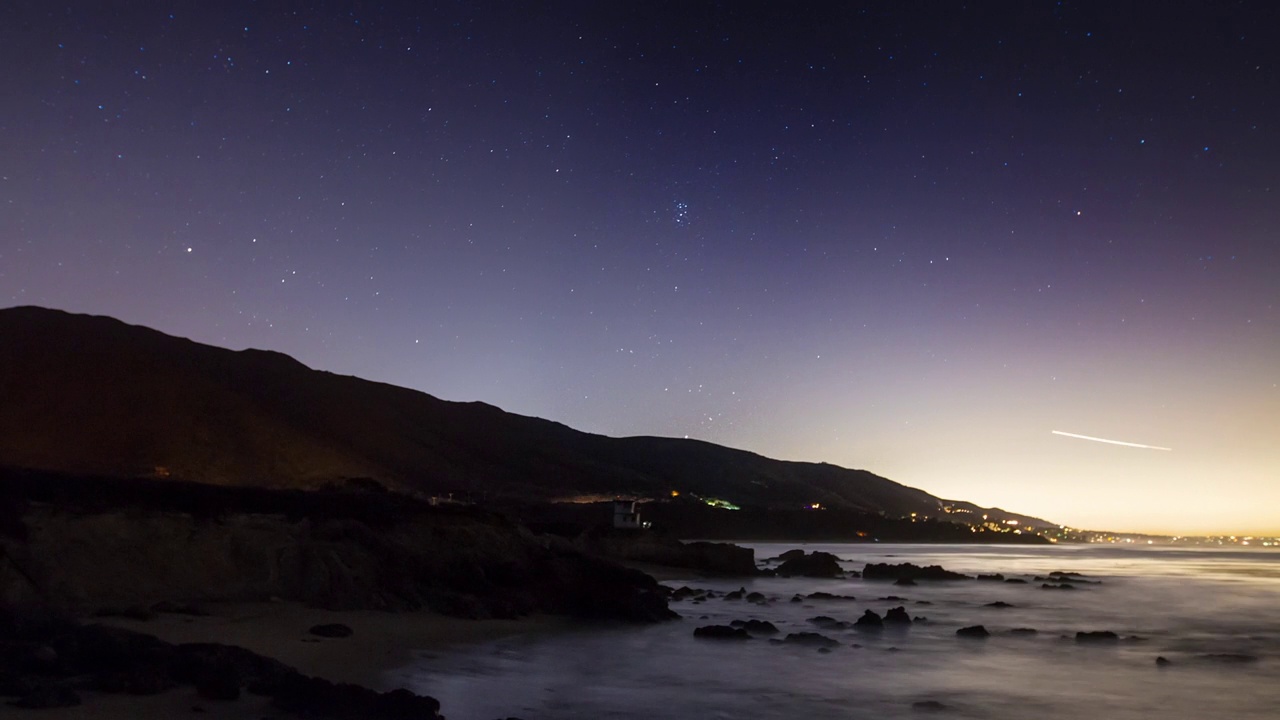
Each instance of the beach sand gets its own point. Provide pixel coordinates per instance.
(380, 643)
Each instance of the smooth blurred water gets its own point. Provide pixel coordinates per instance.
(1183, 604)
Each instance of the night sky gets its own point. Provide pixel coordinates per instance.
(915, 238)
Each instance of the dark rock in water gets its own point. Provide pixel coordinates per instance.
(824, 650)
(893, 598)
(1060, 586)
(973, 631)
(923, 602)
(897, 616)
(1070, 577)
(904, 581)
(870, 620)
(823, 621)
(997, 577)
(756, 597)
(1066, 572)
(1016, 581)
(791, 555)
(1023, 631)
(1229, 657)
(721, 632)
(998, 604)
(815, 564)
(331, 630)
(887, 571)
(828, 596)
(797, 598)
(760, 627)
(48, 696)
(736, 594)
(1097, 636)
(1162, 661)
(929, 706)
(810, 638)
(683, 592)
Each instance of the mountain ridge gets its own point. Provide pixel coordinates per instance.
(93, 394)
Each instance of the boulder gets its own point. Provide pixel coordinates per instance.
(973, 631)
(828, 596)
(998, 604)
(721, 632)
(870, 620)
(790, 555)
(810, 638)
(897, 616)
(816, 564)
(756, 627)
(997, 577)
(888, 571)
(1097, 636)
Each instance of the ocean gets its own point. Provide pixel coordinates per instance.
(1214, 614)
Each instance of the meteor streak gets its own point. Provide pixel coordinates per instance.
(1112, 442)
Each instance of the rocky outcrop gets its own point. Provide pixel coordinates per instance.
(908, 571)
(973, 631)
(810, 638)
(721, 632)
(756, 627)
(648, 547)
(816, 564)
(465, 563)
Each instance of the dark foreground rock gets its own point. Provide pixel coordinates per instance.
(908, 571)
(816, 564)
(112, 659)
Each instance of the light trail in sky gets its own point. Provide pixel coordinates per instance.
(1111, 442)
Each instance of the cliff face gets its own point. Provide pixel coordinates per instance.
(88, 394)
(349, 552)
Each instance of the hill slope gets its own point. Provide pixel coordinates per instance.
(88, 394)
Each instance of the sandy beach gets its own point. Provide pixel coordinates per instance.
(380, 643)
